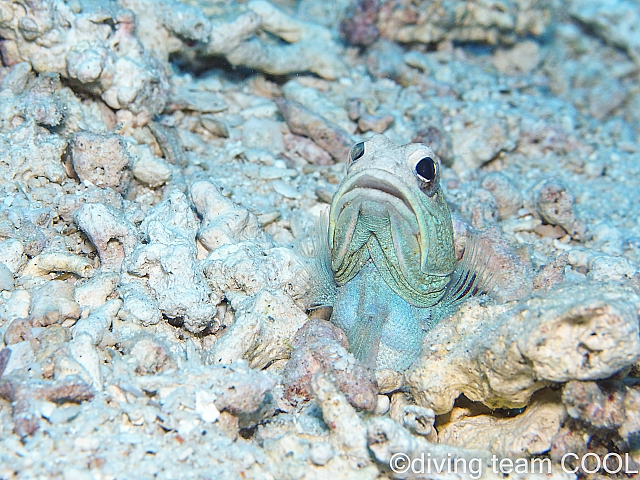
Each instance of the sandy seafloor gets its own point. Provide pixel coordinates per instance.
(162, 165)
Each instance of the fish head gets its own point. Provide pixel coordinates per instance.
(390, 208)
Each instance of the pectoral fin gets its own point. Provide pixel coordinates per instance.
(322, 286)
(472, 275)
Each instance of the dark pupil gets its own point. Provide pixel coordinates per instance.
(426, 169)
(357, 151)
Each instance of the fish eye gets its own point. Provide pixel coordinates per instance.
(426, 172)
(356, 152)
(426, 169)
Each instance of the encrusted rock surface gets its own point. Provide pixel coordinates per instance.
(163, 165)
(529, 433)
(321, 348)
(500, 355)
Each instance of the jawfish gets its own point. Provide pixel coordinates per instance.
(385, 258)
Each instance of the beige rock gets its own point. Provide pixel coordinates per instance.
(84, 352)
(348, 433)
(530, 433)
(262, 133)
(614, 23)
(167, 25)
(94, 292)
(52, 340)
(248, 268)
(389, 380)
(67, 366)
(552, 273)
(223, 221)
(521, 59)
(12, 254)
(139, 305)
(390, 442)
(98, 323)
(319, 103)
(112, 235)
(609, 237)
(46, 263)
(53, 303)
(237, 388)
(417, 419)
(320, 348)
(167, 265)
(102, 160)
(22, 356)
(17, 331)
(604, 268)
(382, 404)
(326, 135)
(6, 278)
(112, 63)
(150, 170)
(396, 408)
(310, 48)
(554, 202)
(479, 136)
(262, 331)
(27, 397)
(215, 126)
(631, 426)
(17, 306)
(374, 123)
(151, 354)
(501, 355)
(601, 407)
(32, 151)
(205, 406)
(17, 77)
(463, 21)
(508, 197)
(306, 149)
(525, 224)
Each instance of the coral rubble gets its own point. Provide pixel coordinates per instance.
(163, 167)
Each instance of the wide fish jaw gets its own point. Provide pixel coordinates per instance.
(409, 237)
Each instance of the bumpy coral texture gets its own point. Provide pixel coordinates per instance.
(163, 164)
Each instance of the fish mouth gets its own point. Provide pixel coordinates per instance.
(371, 188)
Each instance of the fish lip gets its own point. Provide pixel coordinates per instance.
(373, 179)
(367, 181)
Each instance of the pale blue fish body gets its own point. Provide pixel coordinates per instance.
(385, 258)
(383, 329)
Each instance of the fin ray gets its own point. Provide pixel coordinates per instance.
(322, 286)
(472, 274)
(365, 339)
